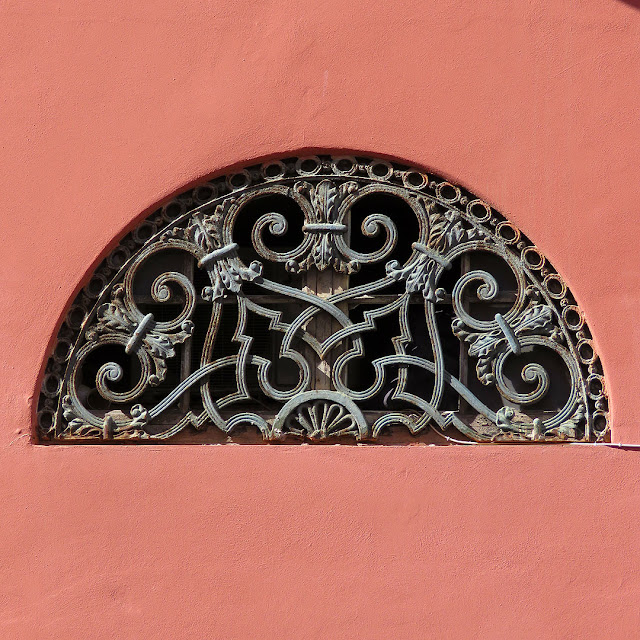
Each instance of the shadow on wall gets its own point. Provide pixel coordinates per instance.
(633, 3)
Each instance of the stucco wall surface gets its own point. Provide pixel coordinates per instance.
(106, 109)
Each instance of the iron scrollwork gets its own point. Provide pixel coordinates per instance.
(516, 340)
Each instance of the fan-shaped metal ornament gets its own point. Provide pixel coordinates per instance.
(115, 371)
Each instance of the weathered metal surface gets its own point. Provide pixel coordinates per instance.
(321, 340)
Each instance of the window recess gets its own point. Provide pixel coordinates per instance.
(324, 299)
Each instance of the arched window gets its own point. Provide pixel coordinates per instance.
(324, 299)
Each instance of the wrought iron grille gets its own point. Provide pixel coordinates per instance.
(324, 299)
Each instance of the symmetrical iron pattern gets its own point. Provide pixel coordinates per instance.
(324, 251)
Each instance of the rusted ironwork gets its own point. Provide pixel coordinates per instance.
(308, 263)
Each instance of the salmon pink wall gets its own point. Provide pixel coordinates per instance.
(107, 109)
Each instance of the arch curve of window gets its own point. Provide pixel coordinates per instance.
(324, 299)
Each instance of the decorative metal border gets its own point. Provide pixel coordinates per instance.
(452, 222)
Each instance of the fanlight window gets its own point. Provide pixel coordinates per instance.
(326, 299)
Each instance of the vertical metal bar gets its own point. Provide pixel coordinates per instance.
(186, 349)
(463, 360)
